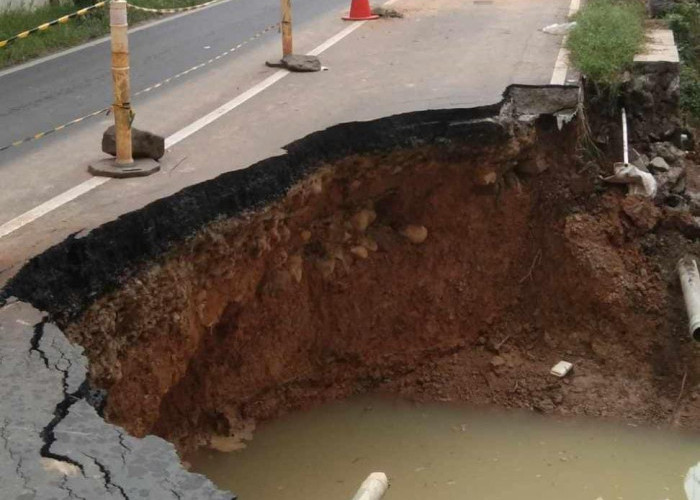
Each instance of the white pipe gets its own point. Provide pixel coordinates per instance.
(625, 149)
(372, 488)
(690, 283)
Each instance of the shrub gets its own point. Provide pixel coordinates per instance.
(607, 35)
(684, 20)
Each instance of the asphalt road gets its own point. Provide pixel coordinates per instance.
(54, 92)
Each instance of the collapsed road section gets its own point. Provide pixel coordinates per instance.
(452, 254)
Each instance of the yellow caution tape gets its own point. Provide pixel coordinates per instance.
(143, 91)
(45, 26)
(174, 10)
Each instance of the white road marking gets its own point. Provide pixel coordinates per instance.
(561, 65)
(252, 92)
(52, 204)
(73, 193)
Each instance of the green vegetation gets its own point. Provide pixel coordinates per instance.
(607, 35)
(76, 31)
(684, 20)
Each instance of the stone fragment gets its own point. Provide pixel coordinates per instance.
(226, 444)
(487, 178)
(667, 151)
(497, 362)
(317, 186)
(415, 234)
(692, 185)
(143, 144)
(666, 181)
(386, 12)
(544, 405)
(359, 251)
(642, 212)
(363, 219)
(296, 268)
(641, 161)
(658, 164)
(369, 243)
(326, 267)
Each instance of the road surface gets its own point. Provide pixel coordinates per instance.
(230, 114)
(47, 95)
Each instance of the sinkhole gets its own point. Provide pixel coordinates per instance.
(437, 256)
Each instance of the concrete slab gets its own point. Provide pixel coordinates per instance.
(659, 48)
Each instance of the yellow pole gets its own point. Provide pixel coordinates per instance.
(286, 27)
(120, 78)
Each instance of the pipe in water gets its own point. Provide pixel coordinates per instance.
(690, 283)
(372, 488)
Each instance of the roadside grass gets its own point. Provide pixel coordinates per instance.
(684, 20)
(607, 35)
(75, 32)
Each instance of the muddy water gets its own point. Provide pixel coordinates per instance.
(447, 452)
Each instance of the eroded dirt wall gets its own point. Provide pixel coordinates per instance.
(437, 272)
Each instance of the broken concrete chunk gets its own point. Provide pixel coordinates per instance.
(658, 164)
(639, 161)
(667, 151)
(561, 369)
(386, 12)
(297, 63)
(143, 144)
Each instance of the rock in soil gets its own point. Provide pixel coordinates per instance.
(415, 234)
(658, 164)
(667, 151)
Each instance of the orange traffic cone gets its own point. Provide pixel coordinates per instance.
(360, 11)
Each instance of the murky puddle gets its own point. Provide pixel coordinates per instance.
(448, 452)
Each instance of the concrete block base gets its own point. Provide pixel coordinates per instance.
(141, 167)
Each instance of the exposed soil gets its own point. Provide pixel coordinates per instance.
(433, 272)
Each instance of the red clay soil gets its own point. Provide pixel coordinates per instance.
(337, 290)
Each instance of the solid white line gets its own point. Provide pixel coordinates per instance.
(336, 38)
(561, 66)
(63, 198)
(223, 109)
(52, 204)
(252, 92)
(573, 8)
(104, 39)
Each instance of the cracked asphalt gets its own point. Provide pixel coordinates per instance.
(54, 445)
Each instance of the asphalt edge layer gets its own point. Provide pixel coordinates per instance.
(53, 440)
(65, 279)
(68, 277)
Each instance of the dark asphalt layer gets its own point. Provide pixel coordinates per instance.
(49, 94)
